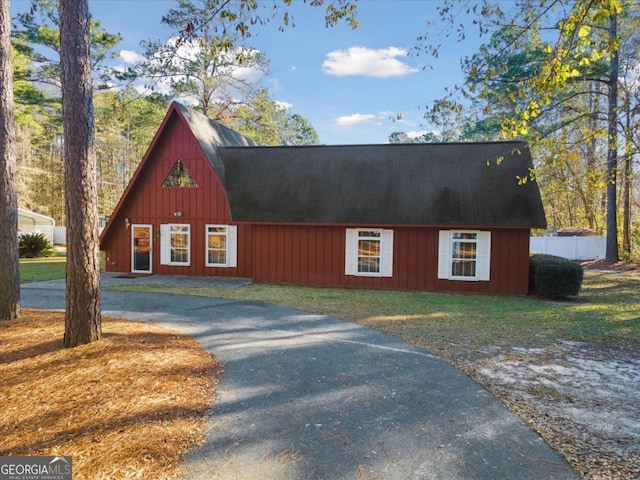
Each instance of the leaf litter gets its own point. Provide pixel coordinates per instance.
(128, 406)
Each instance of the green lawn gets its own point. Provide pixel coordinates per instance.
(607, 309)
(39, 269)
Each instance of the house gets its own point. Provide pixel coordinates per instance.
(207, 201)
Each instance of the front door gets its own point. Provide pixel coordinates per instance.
(141, 248)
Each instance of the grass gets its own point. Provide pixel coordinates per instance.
(40, 269)
(608, 309)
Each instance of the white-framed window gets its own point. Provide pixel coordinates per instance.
(464, 255)
(221, 246)
(369, 252)
(175, 244)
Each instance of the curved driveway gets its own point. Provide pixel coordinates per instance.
(309, 397)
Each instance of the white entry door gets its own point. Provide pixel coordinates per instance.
(141, 248)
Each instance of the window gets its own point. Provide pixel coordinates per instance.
(369, 252)
(175, 244)
(179, 176)
(221, 246)
(464, 255)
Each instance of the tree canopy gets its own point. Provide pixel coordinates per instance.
(550, 73)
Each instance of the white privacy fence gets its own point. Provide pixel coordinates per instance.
(573, 248)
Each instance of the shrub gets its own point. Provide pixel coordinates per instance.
(33, 245)
(554, 277)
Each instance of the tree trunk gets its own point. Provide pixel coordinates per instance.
(83, 318)
(9, 264)
(590, 199)
(627, 175)
(626, 204)
(612, 147)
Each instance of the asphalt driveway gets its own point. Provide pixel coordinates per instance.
(309, 397)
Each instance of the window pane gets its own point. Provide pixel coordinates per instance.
(464, 250)
(179, 255)
(463, 268)
(369, 248)
(217, 229)
(179, 176)
(366, 233)
(179, 240)
(218, 257)
(217, 241)
(465, 236)
(368, 265)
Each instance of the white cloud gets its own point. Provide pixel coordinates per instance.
(130, 57)
(231, 78)
(355, 119)
(365, 61)
(417, 134)
(284, 105)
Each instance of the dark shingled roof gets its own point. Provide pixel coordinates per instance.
(210, 135)
(461, 184)
(414, 184)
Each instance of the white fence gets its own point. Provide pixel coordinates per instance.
(573, 248)
(59, 235)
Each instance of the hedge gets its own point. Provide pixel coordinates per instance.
(554, 277)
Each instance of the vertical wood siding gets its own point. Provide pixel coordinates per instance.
(149, 203)
(312, 255)
(284, 254)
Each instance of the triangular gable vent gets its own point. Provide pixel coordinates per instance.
(179, 176)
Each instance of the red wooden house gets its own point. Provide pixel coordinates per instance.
(207, 201)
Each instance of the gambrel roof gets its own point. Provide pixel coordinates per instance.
(449, 184)
(211, 135)
(461, 184)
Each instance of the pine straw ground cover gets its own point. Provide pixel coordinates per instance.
(127, 406)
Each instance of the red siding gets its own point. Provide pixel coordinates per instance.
(283, 254)
(149, 203)
(315, 255)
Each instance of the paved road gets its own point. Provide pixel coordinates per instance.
(309, 397)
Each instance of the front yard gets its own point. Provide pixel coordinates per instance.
(570, 369)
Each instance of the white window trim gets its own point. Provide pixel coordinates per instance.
(232, 245)
(165, 244)
(483, 255)
(386, 253)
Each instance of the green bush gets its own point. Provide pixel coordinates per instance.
(33, 245)
(554, 277)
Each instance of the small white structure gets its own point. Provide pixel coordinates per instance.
(31, 222)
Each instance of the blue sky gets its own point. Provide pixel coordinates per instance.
(349, 84)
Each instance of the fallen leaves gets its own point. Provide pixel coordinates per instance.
(129, 405)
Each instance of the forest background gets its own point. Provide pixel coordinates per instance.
(568, 124)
